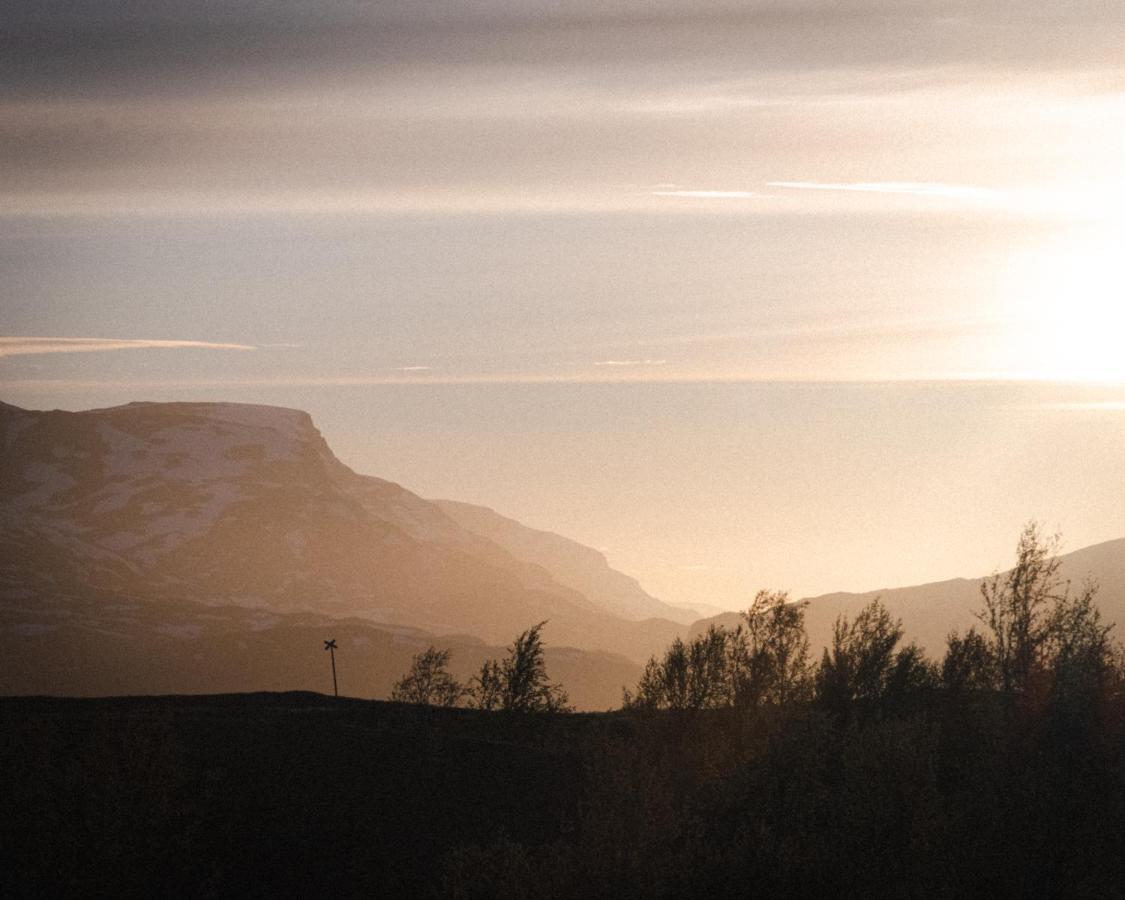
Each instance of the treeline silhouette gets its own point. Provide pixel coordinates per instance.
(750, 769)
(517, 683)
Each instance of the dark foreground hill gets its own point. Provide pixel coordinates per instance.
(295, 794)
(261, 794)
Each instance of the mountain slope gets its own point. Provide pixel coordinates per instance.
(100, 644)
(570, 563)
(246, 505)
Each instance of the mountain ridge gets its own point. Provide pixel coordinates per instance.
(583, 568)
(247, 504)
(930, 611)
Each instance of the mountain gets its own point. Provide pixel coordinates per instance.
(231, 504)
(929, 612)
(570, 563)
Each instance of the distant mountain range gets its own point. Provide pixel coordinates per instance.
(929, 612)
(209, 546)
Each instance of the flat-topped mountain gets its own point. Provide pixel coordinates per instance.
(232, 504)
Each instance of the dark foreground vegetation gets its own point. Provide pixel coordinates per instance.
(738, 767)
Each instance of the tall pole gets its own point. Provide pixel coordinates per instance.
(330, 646)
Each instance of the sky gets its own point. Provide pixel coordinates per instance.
(640, 259)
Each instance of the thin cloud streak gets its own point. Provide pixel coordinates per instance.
(1075, 406)
(707, 194)
(912, 188)
(26, 346)
(314, 203)
(79, 386)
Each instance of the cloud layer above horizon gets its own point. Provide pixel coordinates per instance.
(344, 107)
(531, 191)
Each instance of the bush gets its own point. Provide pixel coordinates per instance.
(519, 683)
(428, 682)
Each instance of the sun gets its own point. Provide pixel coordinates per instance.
(1064, 307)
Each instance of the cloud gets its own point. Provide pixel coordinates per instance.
(706, 195)
(913, 188)
(413, 368)
(340, 106)
(140, 385)
(1112, 406)
(631, 362)
(170, 46)
(23, 346)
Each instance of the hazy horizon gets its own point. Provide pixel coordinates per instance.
(708, 492)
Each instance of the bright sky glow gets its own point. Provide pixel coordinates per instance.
(1065, 301)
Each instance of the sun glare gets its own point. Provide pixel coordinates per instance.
(1064, 304)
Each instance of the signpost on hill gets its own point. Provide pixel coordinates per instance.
(330, 646)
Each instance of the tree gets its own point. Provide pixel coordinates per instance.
(968, 666)
(1018, 609)
(1079, 650)
(487, 688)
(860, 661)
(912, 678)
(695, 675)
(709, 670)
(519, 683)
(764, 661)
(772, 654)
(663, 684)
(428, 681)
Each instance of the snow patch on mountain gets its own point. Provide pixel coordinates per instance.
(232, 504)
